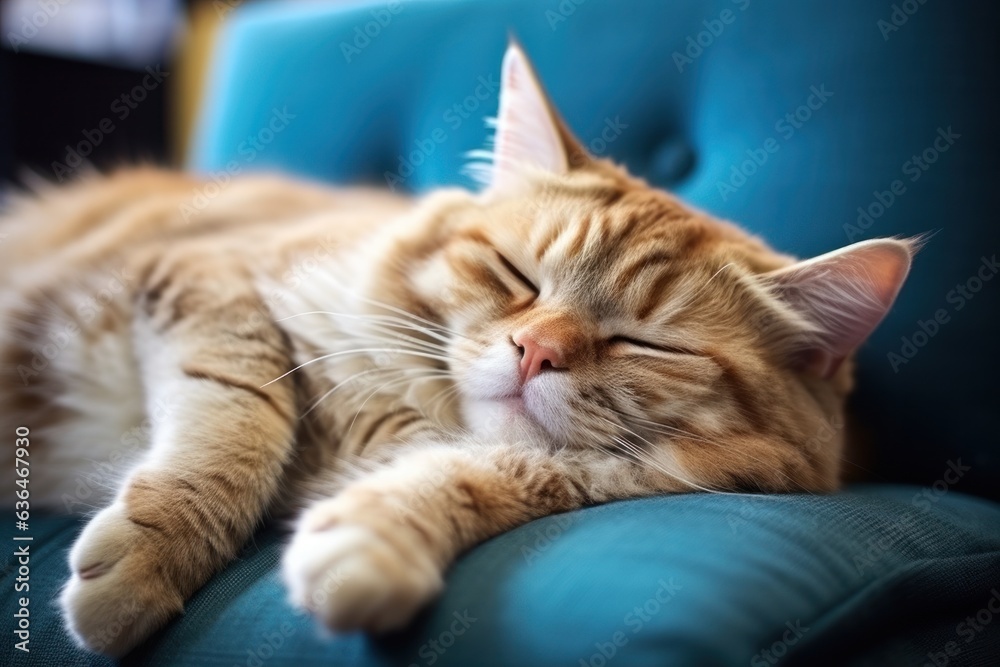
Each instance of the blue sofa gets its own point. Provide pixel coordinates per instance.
(812, 124)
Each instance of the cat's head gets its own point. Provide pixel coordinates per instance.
(593, 310)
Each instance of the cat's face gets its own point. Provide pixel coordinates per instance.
(591, 310)
(599, 305)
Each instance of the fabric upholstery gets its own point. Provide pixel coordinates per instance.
(877, 575)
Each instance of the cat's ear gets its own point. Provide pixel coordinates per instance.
(530, 135)
(842, 296)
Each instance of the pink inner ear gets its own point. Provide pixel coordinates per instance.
(844, 294)
(526, 135)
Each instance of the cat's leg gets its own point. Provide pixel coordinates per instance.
(370, 557)
(216, 460)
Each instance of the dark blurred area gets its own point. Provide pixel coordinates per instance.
(72, 105)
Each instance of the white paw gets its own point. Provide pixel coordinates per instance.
(116, 596)
(352, 578)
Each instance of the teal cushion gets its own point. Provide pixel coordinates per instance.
(405, 101)
(876, 575)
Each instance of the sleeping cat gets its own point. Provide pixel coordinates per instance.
(409, 378)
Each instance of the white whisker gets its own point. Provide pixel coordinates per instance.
(341, 353)
(379, 320)
(644, 457)
(379, 389)
(398, 311)
(343, 383)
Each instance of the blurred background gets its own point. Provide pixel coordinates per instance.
(69, 66)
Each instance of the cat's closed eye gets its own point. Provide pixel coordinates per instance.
(629, 342)
(514, 271)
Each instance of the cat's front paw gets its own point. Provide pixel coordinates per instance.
(354, 576)
(117, 595)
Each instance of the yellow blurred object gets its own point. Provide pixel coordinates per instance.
(194, 55)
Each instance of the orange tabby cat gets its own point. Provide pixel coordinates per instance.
(415, 376)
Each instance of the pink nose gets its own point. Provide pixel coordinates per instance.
(536, 357)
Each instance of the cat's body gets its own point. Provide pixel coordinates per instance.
(468, 363)
(77, 284)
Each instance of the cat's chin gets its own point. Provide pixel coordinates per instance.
(506, 418)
